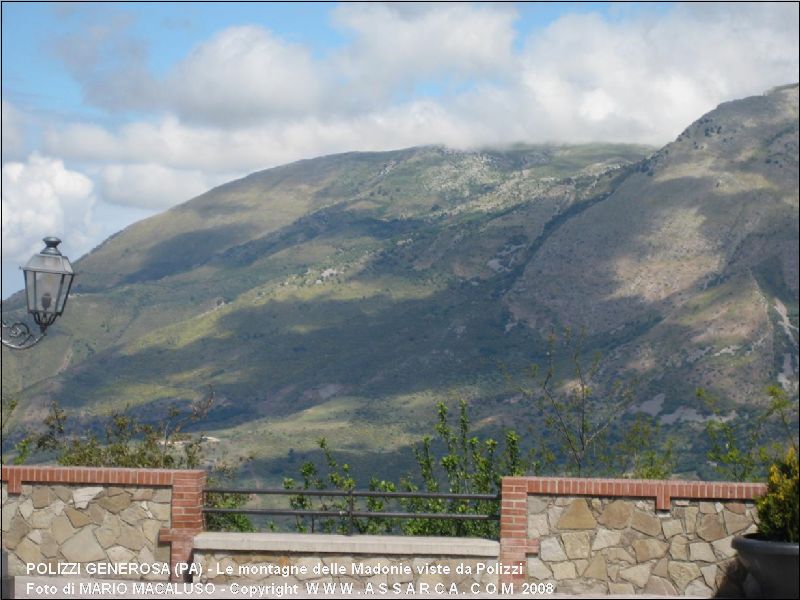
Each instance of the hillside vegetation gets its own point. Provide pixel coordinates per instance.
(344, 296)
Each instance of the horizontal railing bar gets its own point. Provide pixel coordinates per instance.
(274, 492)
(372, 494)
(354, 493)
(278, 512)
(405, 515)
(332, 514)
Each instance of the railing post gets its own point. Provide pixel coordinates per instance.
(350, 506)
(204, 499)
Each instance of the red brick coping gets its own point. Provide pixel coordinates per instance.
(515, 544)
(187, 494)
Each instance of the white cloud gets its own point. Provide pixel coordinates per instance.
(646, 78)
(42, 197)
(247, 74)
(397, 46)
(152, 186)
(244, 73)
(182, 146)
(245, 99)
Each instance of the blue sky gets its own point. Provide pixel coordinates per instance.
(170, 30)
(114, 112)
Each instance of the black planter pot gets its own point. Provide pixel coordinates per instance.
(774, 565)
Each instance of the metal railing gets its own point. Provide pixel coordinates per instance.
(350, 511)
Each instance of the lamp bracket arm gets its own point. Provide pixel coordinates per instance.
(18, 336)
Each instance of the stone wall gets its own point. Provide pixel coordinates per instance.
(623, 546)
(583, 535)
(428, 565)
(52, 524)
(627, 536)
(53, 515)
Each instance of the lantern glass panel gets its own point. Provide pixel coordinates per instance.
(30, 289)
(48, 278)
(65, 288)
(48, 288)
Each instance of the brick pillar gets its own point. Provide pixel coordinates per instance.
(514, 542)
(187, 518)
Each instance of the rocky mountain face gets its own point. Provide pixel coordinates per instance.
(343, 296)
(691, 264)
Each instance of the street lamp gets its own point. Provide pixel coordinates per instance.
(48, 279)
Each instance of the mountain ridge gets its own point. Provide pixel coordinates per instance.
(344, 295)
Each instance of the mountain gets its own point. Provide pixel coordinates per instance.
(692, 262)
(343, 296)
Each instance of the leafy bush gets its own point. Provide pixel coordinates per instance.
(339, 477)
(129, 442)
(637, 455)
(467, 466)
(222, 475)
(778, 509)
(742, 449)
(470, 466)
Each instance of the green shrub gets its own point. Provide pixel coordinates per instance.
(778, 509)
(467, 465)
(130, 442)
(742, 449)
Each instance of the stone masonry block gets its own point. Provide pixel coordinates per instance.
(576, 544)
(537, 504)
(597, 569)
(550, 550)
(658, 586)
(577, 516)
(564, 570)
(679, 548)
(711, 528)
(690, 519)
(671, 527)
(538, 526)
(616, 514)
(42, 496)
(538, 570)
(724, 548)
(605, 538)
(701, 551)
(637, 575)
(648, 549)
(76, 518)
(646, 523)
(734, 522)
(83, 547)
(682, 573)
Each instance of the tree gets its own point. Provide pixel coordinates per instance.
(467, 465)
(577, 409)
(22, 447)
(636, 454)
(128, 441)
(339, 478)
(742, 449)
(132, 443)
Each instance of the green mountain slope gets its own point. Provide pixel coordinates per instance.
(343, 296)
(693, 259)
